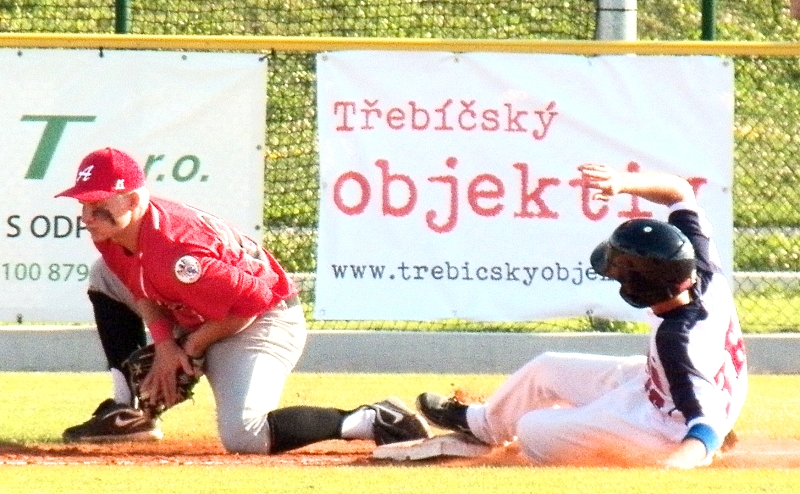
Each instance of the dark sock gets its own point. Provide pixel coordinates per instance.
(121, 330)
(298, 426)
(461, 415)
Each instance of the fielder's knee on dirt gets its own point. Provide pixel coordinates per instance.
(244, 436)
(281, 430)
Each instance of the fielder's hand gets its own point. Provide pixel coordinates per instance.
(160, 378)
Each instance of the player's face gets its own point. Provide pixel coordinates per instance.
(107, 218)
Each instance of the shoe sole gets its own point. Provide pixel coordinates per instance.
(421, 411)
(144, 436)
(436, 423)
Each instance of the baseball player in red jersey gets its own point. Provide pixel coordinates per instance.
(192, 278)
(672, 407)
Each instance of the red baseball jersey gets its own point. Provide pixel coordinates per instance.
(198, 266)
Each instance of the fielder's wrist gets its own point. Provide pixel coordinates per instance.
(160, 330)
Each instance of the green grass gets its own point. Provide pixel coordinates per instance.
(35, 418)
(37, 406)
(394, 480)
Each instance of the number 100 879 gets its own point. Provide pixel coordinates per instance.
(34, 271)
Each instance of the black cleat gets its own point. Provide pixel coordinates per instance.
(443, 412)
(395, 422)
(114, 422)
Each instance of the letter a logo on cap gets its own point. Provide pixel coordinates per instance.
(120, 184)
(85, 174)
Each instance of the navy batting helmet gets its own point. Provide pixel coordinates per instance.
(652, 260)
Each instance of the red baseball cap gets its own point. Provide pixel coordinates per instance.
(104, 173)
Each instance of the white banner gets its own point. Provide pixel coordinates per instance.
(450, 185)
(195, 121)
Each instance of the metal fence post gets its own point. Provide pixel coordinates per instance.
(121, 10)
(708, 20)
(616, 20)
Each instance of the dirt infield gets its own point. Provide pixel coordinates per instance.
(749, 453)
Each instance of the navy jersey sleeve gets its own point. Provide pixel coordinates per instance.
(693, 226)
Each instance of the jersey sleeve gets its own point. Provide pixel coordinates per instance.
(223, 289)
(693, 223)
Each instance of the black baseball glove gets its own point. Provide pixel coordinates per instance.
(138, 365)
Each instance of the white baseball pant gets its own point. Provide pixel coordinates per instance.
(571, 408)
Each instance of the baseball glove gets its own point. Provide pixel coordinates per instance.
(138, 365)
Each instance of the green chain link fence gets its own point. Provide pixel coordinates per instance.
(767, 138)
